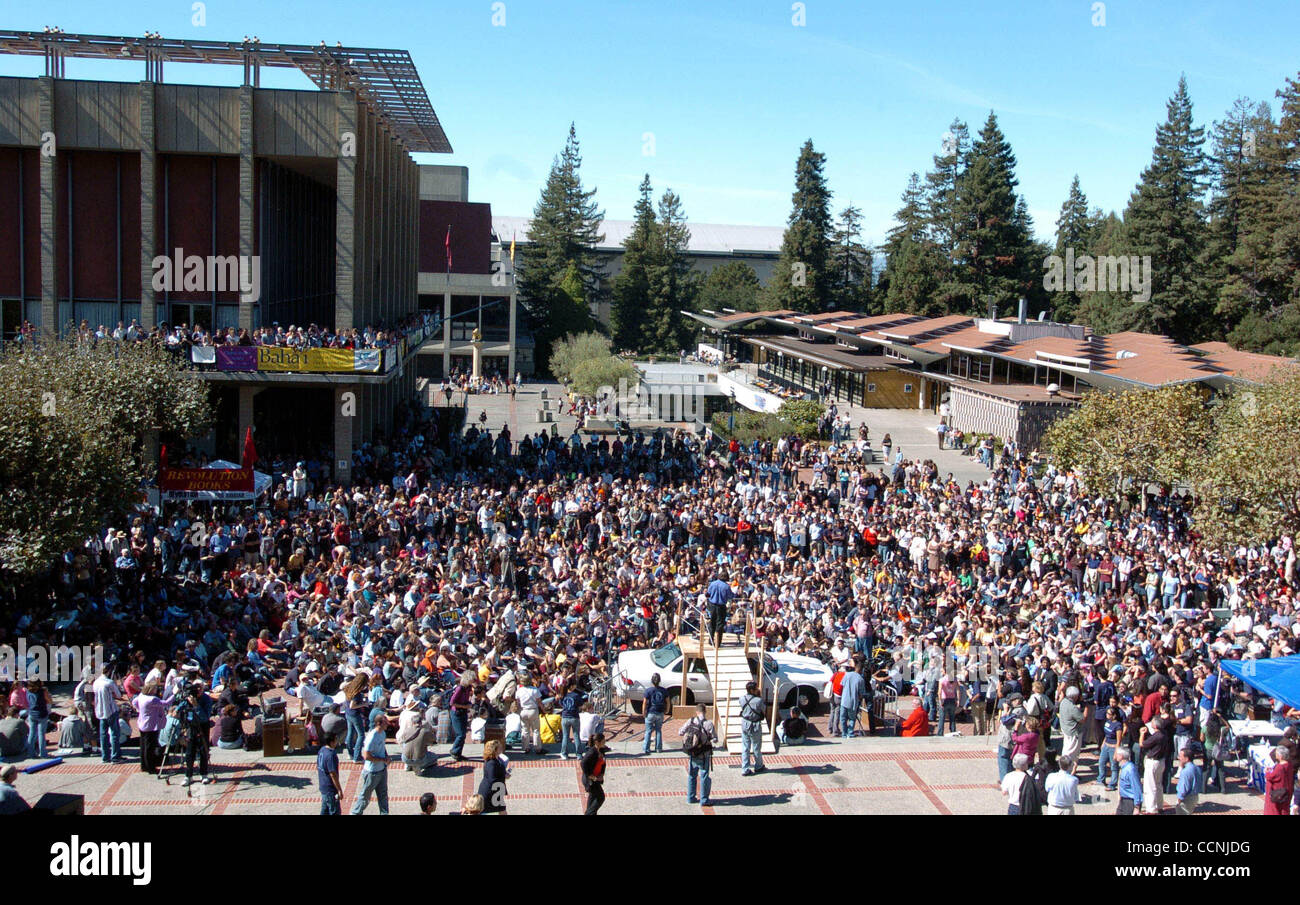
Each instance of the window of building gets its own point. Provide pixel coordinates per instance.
(871, 388)
(907, 388)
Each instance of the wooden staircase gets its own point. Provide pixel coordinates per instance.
(729, 671)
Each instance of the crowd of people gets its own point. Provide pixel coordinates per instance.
(490, 582)
(183, 337)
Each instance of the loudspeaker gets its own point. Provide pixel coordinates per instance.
(61, 803)
(297, 736)
(273, 738)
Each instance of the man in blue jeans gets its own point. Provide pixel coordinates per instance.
(460, 702)
(751, 731)
(327, 777)
(701, 762)
(107, 698)
(852, 692)
(655, 706)
(571, 720)
(374, 775)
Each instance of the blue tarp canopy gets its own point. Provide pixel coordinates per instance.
(1278, 677)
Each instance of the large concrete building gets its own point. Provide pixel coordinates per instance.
(99, 179)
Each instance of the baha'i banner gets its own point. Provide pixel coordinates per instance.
(273, 359)
(218, 480)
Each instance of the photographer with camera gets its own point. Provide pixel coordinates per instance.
(195, 714)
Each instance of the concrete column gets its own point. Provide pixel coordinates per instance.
(49, 211)
(246, 201)
(514, 301)
(246, 394)
(345, 239)
(148, 201)
(346, 402)
(446, 333)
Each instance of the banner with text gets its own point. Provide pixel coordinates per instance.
(281, 359)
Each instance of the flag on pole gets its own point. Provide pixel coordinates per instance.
(250, 452)
(512, 249)
(447, 245)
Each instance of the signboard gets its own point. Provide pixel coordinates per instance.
(237, 358)
(211, 480)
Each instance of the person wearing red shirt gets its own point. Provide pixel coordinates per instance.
(917, 724)
(1279, 781)
(1152, 703)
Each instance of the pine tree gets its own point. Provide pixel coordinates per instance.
(941, 189)
(800, 281)
(913, 272)
(1103, 310)
(631, 294)
(562, 238)
(1166, 221)
(915, 267)
(911, 217)
(731, 285)
(1264, 273)
(995, 243)
(1239, 176)
(1075, 230)
(851, 263)
(673, 285)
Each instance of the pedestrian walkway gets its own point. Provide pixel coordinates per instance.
(859, 776)
(913, 432)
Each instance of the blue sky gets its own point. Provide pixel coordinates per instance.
(730, 90)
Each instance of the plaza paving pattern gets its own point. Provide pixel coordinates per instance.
(886, 776)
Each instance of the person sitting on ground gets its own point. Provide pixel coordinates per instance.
(793, 729)
(917, 723)
(13, 736)
(230, 729)
(10, 801)
(478, 725)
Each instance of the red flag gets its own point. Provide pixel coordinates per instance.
(447, 245)
(162, 458)
(250, 453)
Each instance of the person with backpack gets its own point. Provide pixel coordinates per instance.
(698, 738)
(751, 731)
(1033, 791)
(655, 705)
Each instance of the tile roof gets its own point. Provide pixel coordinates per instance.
(1142, 358)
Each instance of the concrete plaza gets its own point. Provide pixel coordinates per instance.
(936, 775)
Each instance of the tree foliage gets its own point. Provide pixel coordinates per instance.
(74, 419)
(586, 363)
(560, 268)
(801, 280)
(851, 264)
(1248, 487)
(731, 285)
(1165, 220)
(1125, 441)
(656, 283)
